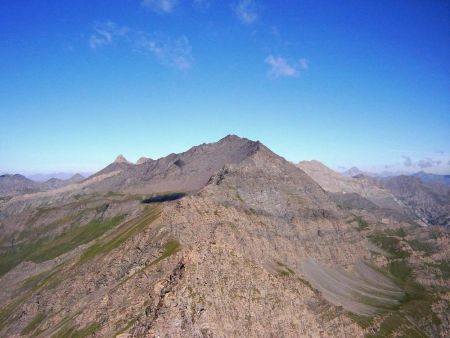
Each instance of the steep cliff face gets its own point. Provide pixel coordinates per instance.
(430, 202)
(231, 259)
(337, 183)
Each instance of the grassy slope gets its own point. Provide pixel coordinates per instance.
(416, 306)
(44, 249)
(122, 233)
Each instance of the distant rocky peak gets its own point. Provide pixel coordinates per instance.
(13, 176)
(230, 137)
(76, 178)
(143, 159)
(353, 171)
(120, 159)
(313, 164)
(234, 139)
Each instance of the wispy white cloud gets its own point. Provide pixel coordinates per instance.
(246, 11)
(303, 64)
(160, 6)
(105, 33)
(427, 163)
(173, 52)
(422, 164)
(275, 31)
(435, 162)
(170, 52)
(281, 67)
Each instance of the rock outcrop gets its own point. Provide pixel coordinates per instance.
(143, 160)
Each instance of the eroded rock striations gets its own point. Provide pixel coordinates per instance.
(429, 202)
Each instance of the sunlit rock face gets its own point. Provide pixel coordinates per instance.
(226, 239)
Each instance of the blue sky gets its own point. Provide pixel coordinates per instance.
(362, 83)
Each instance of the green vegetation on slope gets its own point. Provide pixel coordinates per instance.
(35, 280)
(415, 307)
(127, 230)
(284, 270)
(33, 324)
(443, 266)
(63, 243)
(362, 224)
(69, 331)
(402, 320)
(8, 310)
(170, 248)
(44, 249)
(399, 232)
(390, 244)
(417, 245)
(363, 321)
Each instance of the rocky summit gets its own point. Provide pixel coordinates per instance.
(227, 239)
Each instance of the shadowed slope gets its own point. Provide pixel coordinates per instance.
(177, 172)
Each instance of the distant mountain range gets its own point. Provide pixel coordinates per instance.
(424, 177)
(424, 197)
(59, 175)
(11, 185)
(428, 200)
(338, 183)
(433, 178)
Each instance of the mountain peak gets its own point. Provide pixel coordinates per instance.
(313, 165)
(120, 159)
(312, 162)
(76, 178)
(238, 142)
(14, 176)
(353, 171)
(231, 138)
(143, 159)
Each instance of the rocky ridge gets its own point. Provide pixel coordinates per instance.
(227, 259)
(429, 202)
(13, 185)
(336, 183)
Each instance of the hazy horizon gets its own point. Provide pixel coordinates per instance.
(349, 84)
(398, 169)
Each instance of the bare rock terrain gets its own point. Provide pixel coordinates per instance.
(334, 182)
(429, 202)
(226, 239)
